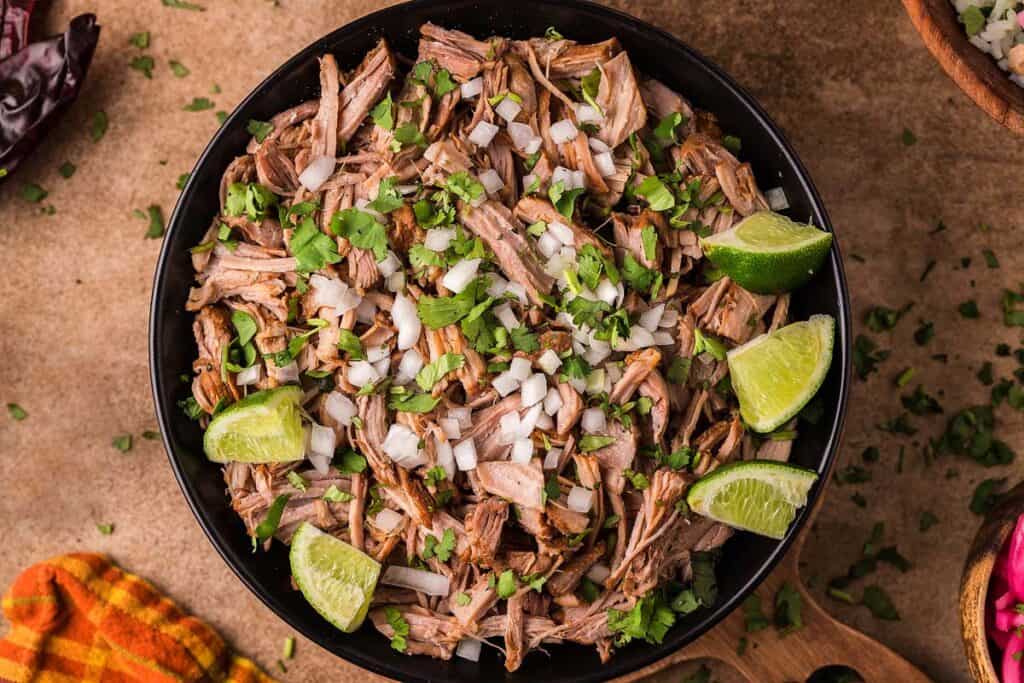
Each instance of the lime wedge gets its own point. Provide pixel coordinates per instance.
(776, 374)
(767, 252)
(758, 495)
(263, 427)
(335, 578)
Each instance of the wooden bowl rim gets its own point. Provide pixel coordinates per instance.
(990, 538)
(975, 72)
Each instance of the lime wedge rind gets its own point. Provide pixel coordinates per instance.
(263, 427)
(768, 253)
(760, 496)
(775, 375)
(336, 579)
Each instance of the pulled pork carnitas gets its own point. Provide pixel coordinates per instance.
(482, 267)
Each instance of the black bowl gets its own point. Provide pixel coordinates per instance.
(747, 559)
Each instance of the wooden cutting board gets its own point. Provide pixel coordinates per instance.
(773, 658)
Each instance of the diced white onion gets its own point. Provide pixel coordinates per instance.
(465, 454)
(340, 407)
(320, 462)
(520, 133)
(389, 265)
(401, 444)
(528, 421)
(472, 88)
(249, 376)
(522, 451)
(382, 366)
(580, 499)
(505, 384)
(549, 361)
(462, 415)
(562, 131)
(520, 368)
(483, 134)
(579, 385)
(640, 338)
(366, 311)
(361, 373)
(622, 293)
(579, 179)
(594, 421)
(497, 286)
(438, 239)
(552, 401)
(416, 579)
(606, 291)
(508, 109)
(777, 199)
(331, 293)
(461, 274)
(377, 353)
(451, 428)
(534, 389)
(612, 372)
(548, 245)
(533, 145)
(663, 339)
(650, 318)
(568, 254)
(469, 648)
(288, 373)
(445, 457)
(406, 189)
(598, 146)
(605, 164)
(587, 114)
(545, 422)
(395, 282)
(508, 428)
(517, 290)
(562, 232)
(669, 318)
(598, 573)
(322, 440)
(387, 520)
(563, 175)
(506, 316)
(491, 181)
(552, 458)
(317, 172)
(528, 181)
(409, 366)
(407, 320)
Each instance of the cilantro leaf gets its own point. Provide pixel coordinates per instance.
(507, 584)
(362, 230)
(244, 325)
(658, 197)
(350, 343)
(199, 104)
(594, 442)
(399, 626)
(383, 113)
(524, 340)
(564, 200)
(98, 126)
(412, 403)
(16, 412)
(335, 495)
(434, 372)
(311, 247)
(463, 185)
(268, 526)
(409, 134)
(259, 129)
(649, 240)
(388, 199)
(143, 64)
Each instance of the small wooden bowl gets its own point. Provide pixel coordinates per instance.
(988, 542)
(974, 71)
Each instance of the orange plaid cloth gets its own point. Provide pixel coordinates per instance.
(79, 617)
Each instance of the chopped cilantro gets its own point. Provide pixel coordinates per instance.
(199, 104)
(658, 197)
(16, 412)
(98, 126)
(400, 628)
(383, 113)
(259, 129)
(969, 309)
(123, 442)
(986, 495)
(434, 372)
(507, 584)
(268, 526)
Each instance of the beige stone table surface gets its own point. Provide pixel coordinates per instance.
(844, 79)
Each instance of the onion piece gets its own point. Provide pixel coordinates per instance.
(461, 274)
(483, 133)
(462, 415)
(288, 373)
(395, 283)
(580, 499)
(445, 456)
(366, 312)
(520, 368)
(387, 520)
(521, 134)
(469, 648)
(401, 444)
(528, 422)
(549, 361)
(409, 366)
(562, 131)
(322, 440)
(777, 199)
(249, 376)
(545, 423)
(407, 320)
(491, 181)
(598, 573)
(563, 175)
(361, 373)
(377, 353)
(605, 164)
(497, 286)
(669, 318)
(320, 462)
(506, 317)
(340, 408)
(552, 458)
(522, 451)
(505, 384)
(579, 180)
(528, 180)
(465, 454)
(651, 318)
(517, 290)
(439, 239)
(472, 88)
(508, 428)
(552, 402)
(606, 291)
(451, 427)
(664, 339)
(389, 265)
(534, 389)
(416, 579)
(508, 109)
(598, 146)
(548, 245)
(317, 172)
(594, 421)
(533, 145)
(562, 232)
(587, 114)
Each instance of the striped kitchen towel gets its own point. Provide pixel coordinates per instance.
(79, 617)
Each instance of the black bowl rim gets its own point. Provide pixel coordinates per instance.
(841, 353)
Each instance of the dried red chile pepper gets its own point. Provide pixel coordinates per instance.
(38, 80)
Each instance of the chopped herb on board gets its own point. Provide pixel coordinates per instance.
(927, 270)
(867, 356)
(924, 333)
(883, 319)
(140, 40)
(990, 258)
(880, 604)
(969, 309)
(143, 64)
(908, 137)
(986, 495)
(16, 412)
(199, 104)
(98, 126)
(927, 521)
